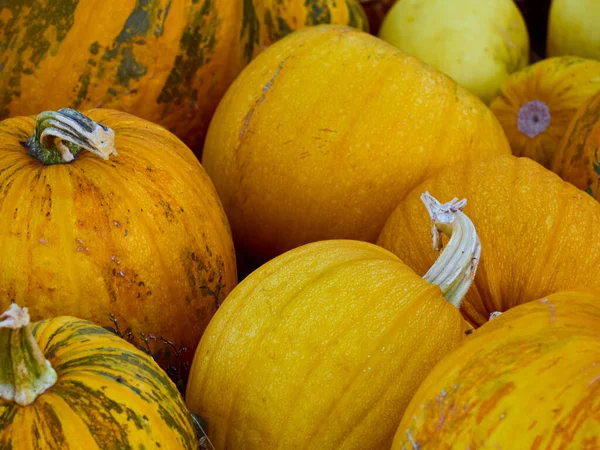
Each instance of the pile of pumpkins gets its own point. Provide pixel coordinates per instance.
(255, 225)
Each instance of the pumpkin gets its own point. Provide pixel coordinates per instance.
(573, 28)
(324, 132)
(281, 17)
(323, 346)
(68, 383)
(539, 234)
(140, 237)
(529, 378)
(167, 62)
(536, 104)
(577, 160)
(476, 43)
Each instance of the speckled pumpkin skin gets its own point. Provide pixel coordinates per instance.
(166, 61)
(323, 133)
(142, 236)
(528, 379)
(108, 396)
(539, 234)
(577, 160)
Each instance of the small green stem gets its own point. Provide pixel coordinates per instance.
(455, 269)
(24, 371)
(59, 136)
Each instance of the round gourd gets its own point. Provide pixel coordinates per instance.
(476, 43)
(573, 28)
(67, 383)
(324, 132)
(577, 160)
(536, 104)
(141, 236)
(167, 62)
(281, 17)
(529, 378)
(539, 234)
(323, 346)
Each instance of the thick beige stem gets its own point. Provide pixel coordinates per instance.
(455, 269)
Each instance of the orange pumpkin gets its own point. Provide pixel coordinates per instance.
(539, 234)
(530, 378)
(167, 62)
(536, 104)
(324, 132)
(323, 346)
(141, 236)
(577, 160)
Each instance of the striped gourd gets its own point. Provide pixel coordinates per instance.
(67, 383)
(166, 61)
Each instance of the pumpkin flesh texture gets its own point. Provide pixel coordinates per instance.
(142, 236)
(322, 347)
(563, 84)
(577, 160)
(324, 132)
(529, 378)
(538, 234)
(108, 396)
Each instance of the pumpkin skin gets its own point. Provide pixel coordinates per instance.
(141, 236)
(539, 234)
(529, 378)
(563, 85)
(109, 395)
(321, 347)
(167, 62)
(573, 28)
(577, 160)
(281, 17)
(289, 174)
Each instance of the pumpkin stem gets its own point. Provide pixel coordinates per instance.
(59, 136)
(24, 371)
(455, 269)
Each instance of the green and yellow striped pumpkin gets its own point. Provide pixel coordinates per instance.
(67, 383)
(166, 61)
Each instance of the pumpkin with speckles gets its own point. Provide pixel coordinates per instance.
(529, 378)
(577, 160)
(165, 61)
(536, 104)
(135, 231)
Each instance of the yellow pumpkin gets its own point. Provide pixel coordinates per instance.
(577, 160)
(536, 104)
(67, 383)
(323, 346)
(141, 236)
(573, 28)
(325, 131)
(539, 234)
(530, 378)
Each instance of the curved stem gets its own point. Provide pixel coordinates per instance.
(24, 371)
(60, 136)
(455, 269)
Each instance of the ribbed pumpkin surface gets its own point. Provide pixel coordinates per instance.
(324, 132)
(536, 104)
(109, 396)
(528, 379)
(538, 234)
(322, 347)
(142, 236)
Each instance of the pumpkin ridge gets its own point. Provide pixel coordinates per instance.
(289, 302)
(414, 304)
